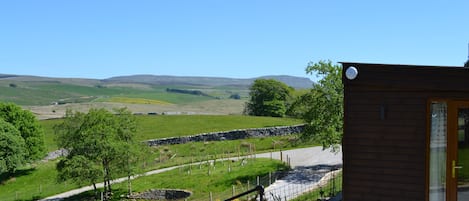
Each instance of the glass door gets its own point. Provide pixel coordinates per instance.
(449, 151)
(460, 163)
(438, 151)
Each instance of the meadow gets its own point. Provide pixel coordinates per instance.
(219, 179)
(46, 91)
(162, 126)
(39, 180)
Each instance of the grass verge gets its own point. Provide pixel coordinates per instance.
(161, 126)
(40, 181)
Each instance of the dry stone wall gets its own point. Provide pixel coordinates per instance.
(230, 135)
(162, 194)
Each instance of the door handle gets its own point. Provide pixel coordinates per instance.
(454, 169)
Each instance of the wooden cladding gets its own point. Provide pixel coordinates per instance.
(386, 131)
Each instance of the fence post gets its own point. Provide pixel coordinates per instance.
(233, 192)
(270, 178)
(258, 181)
(211, 196)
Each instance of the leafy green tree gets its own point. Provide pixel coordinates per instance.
(322, 108)
(100, 144)
(300, 103)
(12, 148)
(28, 126)
(80, 170)
(268, 97)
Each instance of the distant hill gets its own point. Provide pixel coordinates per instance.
(147, 89)
(295, 82)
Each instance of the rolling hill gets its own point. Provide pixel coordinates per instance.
(295, 82)
(50, 97)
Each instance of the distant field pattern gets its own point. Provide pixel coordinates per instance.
(136, 101)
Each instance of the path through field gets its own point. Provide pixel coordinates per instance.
(300, 160)
(310, 166)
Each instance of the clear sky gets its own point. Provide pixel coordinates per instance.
(225, 38)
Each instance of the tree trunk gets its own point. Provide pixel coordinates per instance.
(129, 185)
(95, 191)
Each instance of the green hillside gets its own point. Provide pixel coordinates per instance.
(37, 91)
(161, 126)
(48, 92)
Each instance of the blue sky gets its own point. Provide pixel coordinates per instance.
(225, 38)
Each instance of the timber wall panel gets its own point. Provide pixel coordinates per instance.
(385, 158)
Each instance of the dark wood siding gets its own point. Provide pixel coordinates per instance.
(385, 127)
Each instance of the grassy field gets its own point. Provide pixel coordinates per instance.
(47, 91)
(161, 126)
(40, 181)
(197, 180)
(136, 101)
(201, 184)
(33, 182)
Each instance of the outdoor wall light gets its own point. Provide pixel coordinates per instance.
(351, 73)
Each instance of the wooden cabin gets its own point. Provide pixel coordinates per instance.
(406, 133)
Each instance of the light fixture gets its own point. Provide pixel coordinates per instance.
(351, 73)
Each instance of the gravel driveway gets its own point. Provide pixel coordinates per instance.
(310, 167)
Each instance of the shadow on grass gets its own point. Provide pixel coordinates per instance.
(5, 177)
(90, 196)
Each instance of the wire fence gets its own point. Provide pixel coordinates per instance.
(321, 182)
(280, 188)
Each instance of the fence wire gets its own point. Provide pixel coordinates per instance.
(278, 188)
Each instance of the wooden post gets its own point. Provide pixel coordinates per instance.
(211, 196)
(258, 181)
(270, 178)
(233, 192)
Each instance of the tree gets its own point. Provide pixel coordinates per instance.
(323, 106)
(12, 148)
(100, 144)
(269, 97)
(28, 126)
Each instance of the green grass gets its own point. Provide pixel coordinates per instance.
(136, 101)
(33, 182)
(171, 155)
(46, 92)
(197, 180)
(29, 184)
(463, 155)
(40, 181)
(162, 126)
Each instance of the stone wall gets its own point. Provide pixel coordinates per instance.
(230, 135)
(162, 194)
